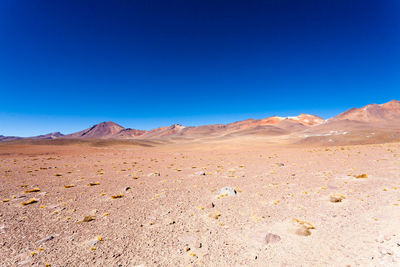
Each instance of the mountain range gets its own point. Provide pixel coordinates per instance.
(370, 117)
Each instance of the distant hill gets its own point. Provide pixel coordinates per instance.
(48, 136)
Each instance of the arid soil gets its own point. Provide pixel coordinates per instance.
(129, 205)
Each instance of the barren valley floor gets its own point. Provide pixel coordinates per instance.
(128, 205)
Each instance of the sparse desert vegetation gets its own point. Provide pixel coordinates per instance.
(196, 204)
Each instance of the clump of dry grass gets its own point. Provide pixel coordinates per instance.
(215, 215)
(117, 196)
(88, 218)
(57, 174)
(303, 227)
(69, 186)
(335, 198)
(30, 201)
(32, 190)
(93, 183)
(361, 176)
(5, 200)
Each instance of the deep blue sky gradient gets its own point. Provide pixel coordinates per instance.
(66, 65)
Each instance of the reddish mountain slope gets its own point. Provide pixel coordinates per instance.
(128, 133)
(173, 130)
(101, 131)
(281, 125)
(372, 113)
(370, 124)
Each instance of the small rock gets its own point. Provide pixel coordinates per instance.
(272, 238)
(127, 188)
(227, 190)
(200, 173)
(380, 239)
(385, 251)
(46, 239)
(91, 242)
(93, 212)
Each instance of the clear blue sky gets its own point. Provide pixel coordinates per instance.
(66, 65)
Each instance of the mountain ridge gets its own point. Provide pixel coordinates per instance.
(371, 115)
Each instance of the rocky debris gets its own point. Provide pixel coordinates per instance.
(227, 191)
(200, 173)
(272, 238)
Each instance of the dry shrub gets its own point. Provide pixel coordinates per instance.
(32, 190)
(30, 201)
(336, 198)
(361, 176)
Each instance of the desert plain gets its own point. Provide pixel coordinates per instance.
(107, 203)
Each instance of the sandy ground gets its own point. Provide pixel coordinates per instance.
(169, 214)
